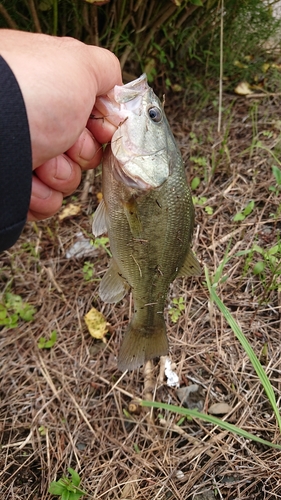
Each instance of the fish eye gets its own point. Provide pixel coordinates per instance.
(155, 114)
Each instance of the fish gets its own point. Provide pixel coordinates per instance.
(148, 213)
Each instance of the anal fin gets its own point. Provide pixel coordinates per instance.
(113, 287)
(190, 267)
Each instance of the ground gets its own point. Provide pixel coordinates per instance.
(69, 406)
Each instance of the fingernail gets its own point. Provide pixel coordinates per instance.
(39, 189)
(88, 149)
(63, 170)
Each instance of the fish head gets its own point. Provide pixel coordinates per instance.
(141, 145)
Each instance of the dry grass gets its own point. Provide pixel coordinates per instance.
(74, 389)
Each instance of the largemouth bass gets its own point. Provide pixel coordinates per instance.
(148, 214)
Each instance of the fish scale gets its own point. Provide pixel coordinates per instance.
(150, 229)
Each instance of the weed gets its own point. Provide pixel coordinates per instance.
(13, 308)
(67, 488)
(47, 344)
(240, 216)
(201, 200)
(88, 270)
(277, 175)
(267, 267)
(103, 243)
(176, 308)
(256, 365)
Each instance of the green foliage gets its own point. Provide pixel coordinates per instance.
(266, 264)
(265, 382)
(102, 242)
(277, 175)
(88, 270)
(177, 42)
(240, 216)
(67, 488)
(247, 348)
(13, 308)
(195, 183)
(47, 344)
(176, 309)
(202, 200)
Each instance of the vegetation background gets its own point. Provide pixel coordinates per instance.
(63, 402)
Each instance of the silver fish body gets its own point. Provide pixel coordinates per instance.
(148, 213)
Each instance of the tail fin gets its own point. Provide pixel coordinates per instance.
(142, 343)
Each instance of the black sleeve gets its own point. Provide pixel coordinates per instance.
(15, 159)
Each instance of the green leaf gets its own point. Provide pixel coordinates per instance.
(238, 217)
(209, 418)
(75, 476)
(247, 348)
(259, 267)
(27, 312)
(277, 174)
(43, 343)
(65, 495)
(56, 488)
(195, 183)
(199, 3)
(3, 312)
(249, 208)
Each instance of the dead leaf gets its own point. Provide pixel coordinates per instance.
(243, 88)
(69, 211)
(99, 197)
(219, 409)
(96, 324)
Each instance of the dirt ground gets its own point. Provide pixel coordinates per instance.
(69, 406)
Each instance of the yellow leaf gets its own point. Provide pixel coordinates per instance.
(240, 64)
(243, 88)
(96, 324)
(69, 211)
(265, 67)
(99, 197)
(176, 87)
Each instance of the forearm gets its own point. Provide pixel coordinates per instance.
(15, 159)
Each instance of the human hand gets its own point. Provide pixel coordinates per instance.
(59, 80)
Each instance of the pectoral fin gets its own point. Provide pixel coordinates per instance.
(99, 223)
(191, 266)
(131, 212)
(113, 287)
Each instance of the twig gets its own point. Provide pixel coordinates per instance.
(34, 16)
(7, 17)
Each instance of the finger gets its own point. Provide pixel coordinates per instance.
(44, 201)
(100, 127)
(86, 151)
(60, 173)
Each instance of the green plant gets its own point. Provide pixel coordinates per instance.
(176, 308)
(256, 365)
(102, 242)
(13, 308)
(267, 266)
(88, 270)
(67, 488)
(277, 175)
(47, 344)
(240, 216)
(200, 201)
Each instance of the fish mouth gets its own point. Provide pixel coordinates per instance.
(112, 104)
(133, 182)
